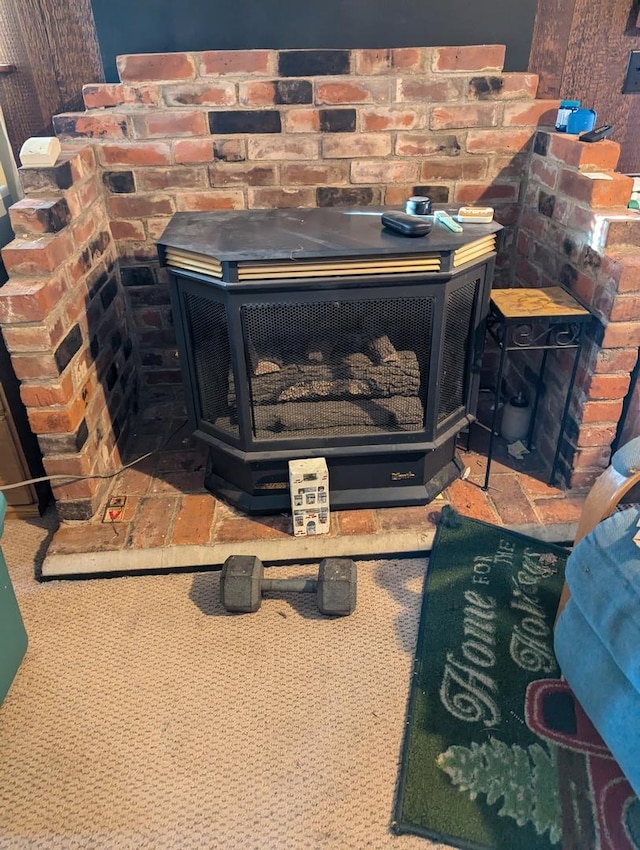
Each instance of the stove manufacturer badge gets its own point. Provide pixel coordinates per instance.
(402, 476)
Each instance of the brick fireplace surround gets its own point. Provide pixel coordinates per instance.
(86, 314)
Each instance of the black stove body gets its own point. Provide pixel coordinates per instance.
(317, 333)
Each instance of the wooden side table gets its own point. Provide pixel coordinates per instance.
(544, 320)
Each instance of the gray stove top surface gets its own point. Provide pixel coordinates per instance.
(306, 233)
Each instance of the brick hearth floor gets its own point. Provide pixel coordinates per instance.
(171, 521)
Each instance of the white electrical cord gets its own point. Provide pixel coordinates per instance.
(69, 478)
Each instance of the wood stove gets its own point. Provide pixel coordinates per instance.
(308, 333)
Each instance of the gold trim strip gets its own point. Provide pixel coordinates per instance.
(196, 267)
(194, 262)
(181, 259)
(487, 241)
(363, 264)
(270, 271)
(192, 255)
(325, 273)
(469, 258)
(474, 251)
(357, 261)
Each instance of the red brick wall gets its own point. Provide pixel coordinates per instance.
(265, 128)
(227, 130)
(64, 322)
(575, 230)
(86, 312)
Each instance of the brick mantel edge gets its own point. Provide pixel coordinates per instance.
(64, 321)
(575, 230)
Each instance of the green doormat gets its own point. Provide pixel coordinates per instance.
(497, 752)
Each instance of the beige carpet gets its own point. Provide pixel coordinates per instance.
(144, 716)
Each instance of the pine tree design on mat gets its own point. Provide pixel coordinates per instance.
(498, 754)
(521, 777)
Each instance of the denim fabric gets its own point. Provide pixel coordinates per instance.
(603, 574)
(607, 696)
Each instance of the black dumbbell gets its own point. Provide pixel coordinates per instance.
(242, 584)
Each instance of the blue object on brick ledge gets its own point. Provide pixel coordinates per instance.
(565, 110)
(13, 636)
(581, 121)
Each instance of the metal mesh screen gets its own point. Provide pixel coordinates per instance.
(457, 338)
(332, 368)
(207, 324)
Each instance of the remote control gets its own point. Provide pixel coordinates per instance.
(405, 224)
(597, 134)
(446, 221)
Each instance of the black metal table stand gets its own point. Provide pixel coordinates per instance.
(548, 319)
